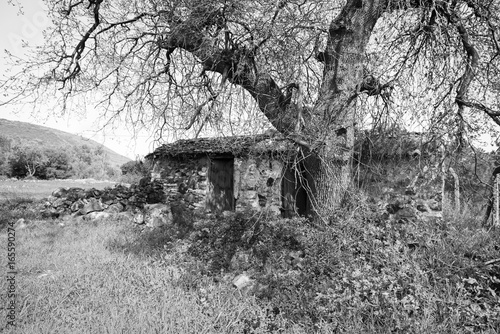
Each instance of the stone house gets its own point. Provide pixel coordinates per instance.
(232, 174)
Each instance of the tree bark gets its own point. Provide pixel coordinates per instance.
(491, 196)
(331, 125)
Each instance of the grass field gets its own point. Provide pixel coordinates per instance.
(112, 276)
(38, 189)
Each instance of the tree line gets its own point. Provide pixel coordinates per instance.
(22, 158)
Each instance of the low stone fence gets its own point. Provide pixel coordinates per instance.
(144, 201)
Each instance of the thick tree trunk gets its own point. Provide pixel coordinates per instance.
(332, 120)
(330, 172)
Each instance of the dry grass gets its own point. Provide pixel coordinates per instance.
(84, 279)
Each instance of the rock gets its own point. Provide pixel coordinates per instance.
(98, 215)
(77, 206)
(139, 218)
(20, 224)
(60, 192)
(91, 206)
(242, 281)
(75, 194)
(59, 203)
(157, 215)
(115, 208)
(434, 205)
(422, 208)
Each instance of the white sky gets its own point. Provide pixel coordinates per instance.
(28, 27)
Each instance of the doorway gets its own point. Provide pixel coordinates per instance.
(220, 185)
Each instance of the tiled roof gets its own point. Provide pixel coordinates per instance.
(234, 145)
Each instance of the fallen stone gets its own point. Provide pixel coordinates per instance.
(115, 208)
(59, 202)
(91, 206)
(77, 206)
(157, 215)
(60, 192)
(20, 224)
(139, 218)
(242, 281)
(98, 215)
(434, 205)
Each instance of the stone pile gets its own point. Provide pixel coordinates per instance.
(410, 205)
(144, 201)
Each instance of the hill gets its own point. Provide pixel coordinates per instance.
(52, 138)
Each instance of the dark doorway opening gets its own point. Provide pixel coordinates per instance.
(293, 191)
(220, 185)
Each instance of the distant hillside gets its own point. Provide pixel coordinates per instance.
(52, 138)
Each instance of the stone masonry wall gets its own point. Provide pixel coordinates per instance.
(257, 182)
(184, 181)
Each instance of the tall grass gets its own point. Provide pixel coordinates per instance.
(360, 275)
(84, 279)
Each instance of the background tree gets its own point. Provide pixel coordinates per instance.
(27, 160)
(5, 149)
(308, 68)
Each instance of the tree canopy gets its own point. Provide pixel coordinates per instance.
(312, 69)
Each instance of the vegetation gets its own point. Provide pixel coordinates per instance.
(360, 275)
(134, 171)
(21, 159)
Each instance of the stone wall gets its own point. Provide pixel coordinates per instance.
(256, 182)
(184, 180)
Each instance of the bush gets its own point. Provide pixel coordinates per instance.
(133, 171)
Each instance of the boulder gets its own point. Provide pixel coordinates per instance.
(98, 215)
(139, 218)
(157, 215)
(60, 192)
(242, 281)
(92, 206)
(59, 203)
(115, 208)
(77, 206)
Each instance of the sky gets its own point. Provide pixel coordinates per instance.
(28, 26)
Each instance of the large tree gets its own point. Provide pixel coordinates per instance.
(304, 65)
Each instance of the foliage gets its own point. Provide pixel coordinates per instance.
(30, 159)
(5, 149)
(366, 275)
(91, 162)
(133, 171)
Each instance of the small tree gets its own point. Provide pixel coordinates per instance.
(58, 165)
(27, 160)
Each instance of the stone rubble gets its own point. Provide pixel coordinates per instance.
(144, 200)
